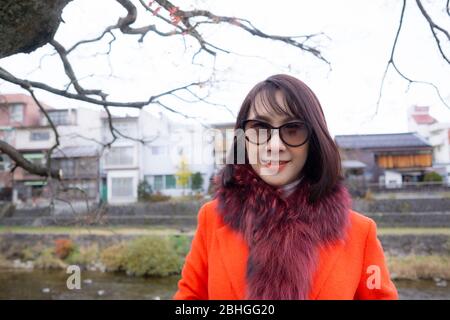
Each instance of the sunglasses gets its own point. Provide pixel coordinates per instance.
(293, 134)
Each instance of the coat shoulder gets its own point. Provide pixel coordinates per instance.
(209, 214)
(360, 224)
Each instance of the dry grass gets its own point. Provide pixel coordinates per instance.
(413, 231)
(415, 267)
(151, 230)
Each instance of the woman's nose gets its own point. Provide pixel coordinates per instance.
(275, 143)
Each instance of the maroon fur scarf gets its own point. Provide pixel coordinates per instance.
(283, 233)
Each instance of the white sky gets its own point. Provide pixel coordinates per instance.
(360, 34)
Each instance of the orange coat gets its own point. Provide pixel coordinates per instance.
(216, 264)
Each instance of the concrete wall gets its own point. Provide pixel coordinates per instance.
(395, 245)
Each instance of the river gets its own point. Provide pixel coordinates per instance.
(40, 284)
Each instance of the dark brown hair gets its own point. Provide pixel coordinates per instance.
(323, 164)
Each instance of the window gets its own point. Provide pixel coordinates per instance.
(158, 183)
(89, 187)
(122, 187)
(35, 158)
(160, 150)
(171, 182)
(68, 167)
(16, 112)
(87, 166)
(119, 156)
(125, 128)
(7, 135)
(39, 135)
(4, 162)
(59, 117)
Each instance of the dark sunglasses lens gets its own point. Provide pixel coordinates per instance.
(256, 132)
(294, 134)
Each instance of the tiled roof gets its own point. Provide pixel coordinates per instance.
(353, 164)
(389, 140)
(423, 119)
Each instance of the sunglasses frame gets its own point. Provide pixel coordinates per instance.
(269, 136)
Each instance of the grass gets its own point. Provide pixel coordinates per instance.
(159, 230)
(150, 230)
(413, 231)
(413, 267)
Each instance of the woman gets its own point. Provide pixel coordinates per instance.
(281, 225)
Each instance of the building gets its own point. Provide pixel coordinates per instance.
(25, 127)
(22, 128)
(154, 154)
(76, 126)
(80, 168)
(95, 165)
(121, 162)
(436, 133)
(386, 159)
(175, 143)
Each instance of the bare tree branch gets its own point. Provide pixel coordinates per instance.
(185, 17)
(434, 27)
(5, 75)
(392, 62)
(20, 161)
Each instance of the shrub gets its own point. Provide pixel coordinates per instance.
(47, 260)
(181, 244)
(158, 197)
(5, 263)
(144, 191)
(151, 256)
(32, 253)
(113, 257)
(432, 176)
(368, 196)
(83, 256)
(196, 181)
(63, 247)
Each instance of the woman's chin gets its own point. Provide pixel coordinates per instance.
(276, 180)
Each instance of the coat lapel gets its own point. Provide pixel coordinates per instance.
(233, 253)
(327, 260)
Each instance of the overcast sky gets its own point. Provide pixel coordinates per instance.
(359, 37)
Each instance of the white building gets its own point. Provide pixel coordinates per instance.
(77, 126)
(153, 154)
(436, 133)
(177, 142)
(121, 162)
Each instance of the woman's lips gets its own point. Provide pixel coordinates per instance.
(280, 164)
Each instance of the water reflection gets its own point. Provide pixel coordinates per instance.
(34, 284)
(40, 284)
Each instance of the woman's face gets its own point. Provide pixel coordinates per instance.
(275, 162)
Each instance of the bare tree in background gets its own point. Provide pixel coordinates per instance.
(29, 24)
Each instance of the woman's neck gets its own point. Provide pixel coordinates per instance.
(290, 187)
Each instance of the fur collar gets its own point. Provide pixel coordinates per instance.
(283, 233)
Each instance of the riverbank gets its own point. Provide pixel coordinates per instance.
(412, 253)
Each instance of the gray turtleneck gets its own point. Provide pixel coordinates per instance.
(290, 187)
